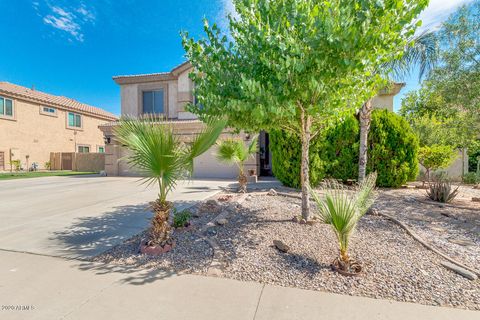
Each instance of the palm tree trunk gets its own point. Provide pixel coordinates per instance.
(365, 117)
(305, 164)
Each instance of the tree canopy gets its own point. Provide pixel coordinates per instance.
(285, 55)
(295, 65)
(448, 103)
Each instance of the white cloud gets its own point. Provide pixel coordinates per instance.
(438, 11)
(68, 19)
(227, 9)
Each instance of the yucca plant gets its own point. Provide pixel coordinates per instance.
(441, 189)
(342, 208)
(162, 158)
(237, 152)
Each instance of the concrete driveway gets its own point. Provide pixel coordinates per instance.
(81, 216)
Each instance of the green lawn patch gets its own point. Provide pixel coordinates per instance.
(38, 174)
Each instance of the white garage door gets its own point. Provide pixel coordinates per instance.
(207, 166)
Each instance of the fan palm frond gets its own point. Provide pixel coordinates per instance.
(158, 153)
(342, 208)
(421, 52)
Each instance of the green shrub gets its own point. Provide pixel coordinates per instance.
(16, 165)
(286, 153)
(341, 148)
(180, 219)
(474, 156)
(471, 178)
(392, 149)
(392, 152)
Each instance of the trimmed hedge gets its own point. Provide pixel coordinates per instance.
(286, 153)
(392, 149)
(392, 152)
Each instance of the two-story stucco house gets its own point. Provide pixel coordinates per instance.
(33, 124)
(167, 94)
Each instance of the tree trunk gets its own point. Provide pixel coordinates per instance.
(305, 164)
(365, 117)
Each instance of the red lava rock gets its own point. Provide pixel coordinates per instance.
(156, 250)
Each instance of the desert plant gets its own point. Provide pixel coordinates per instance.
(441, 189)
(234, 151)
(162, 158)
(342, 208)
(181, 218)
(48, 165)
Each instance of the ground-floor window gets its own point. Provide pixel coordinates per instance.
(83, 149)
(101, 149)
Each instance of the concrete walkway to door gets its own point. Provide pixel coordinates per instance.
(82, 216)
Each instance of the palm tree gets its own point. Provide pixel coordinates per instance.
(422, 51)
(342, 208)
(235, 151)
(162, 158)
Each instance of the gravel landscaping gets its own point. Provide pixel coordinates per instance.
(395, 265)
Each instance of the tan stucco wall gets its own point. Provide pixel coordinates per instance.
(132, 96)
(35, 134)
(205, 166)
(178, 93)
(383, 102)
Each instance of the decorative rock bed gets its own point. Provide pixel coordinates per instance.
(395, 266)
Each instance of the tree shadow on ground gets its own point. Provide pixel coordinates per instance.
(237, 236)
(88, 237)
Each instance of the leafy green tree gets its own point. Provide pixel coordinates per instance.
(298, 64)
(451, 93)
(163, 159)
(436, 157)
(234, 151)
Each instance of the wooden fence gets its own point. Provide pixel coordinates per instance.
(85, 162)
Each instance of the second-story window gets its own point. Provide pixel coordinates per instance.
(6, 107)
(153, 101)
(49, 110)
(74, 120)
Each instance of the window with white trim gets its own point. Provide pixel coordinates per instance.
(6, 107)
(49, 110)
(101, 149)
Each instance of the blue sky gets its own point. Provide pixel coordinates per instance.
(74, 47)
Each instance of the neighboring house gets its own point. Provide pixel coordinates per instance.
(33, 124)
(167, 94)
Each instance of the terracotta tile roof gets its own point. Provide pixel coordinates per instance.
(61, 102)
(149, 77)
(174, 121)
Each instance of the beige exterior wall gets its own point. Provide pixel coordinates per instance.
(36, 134)
(383, 102)
(178, 92)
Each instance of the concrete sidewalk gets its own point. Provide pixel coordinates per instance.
(55, 288)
